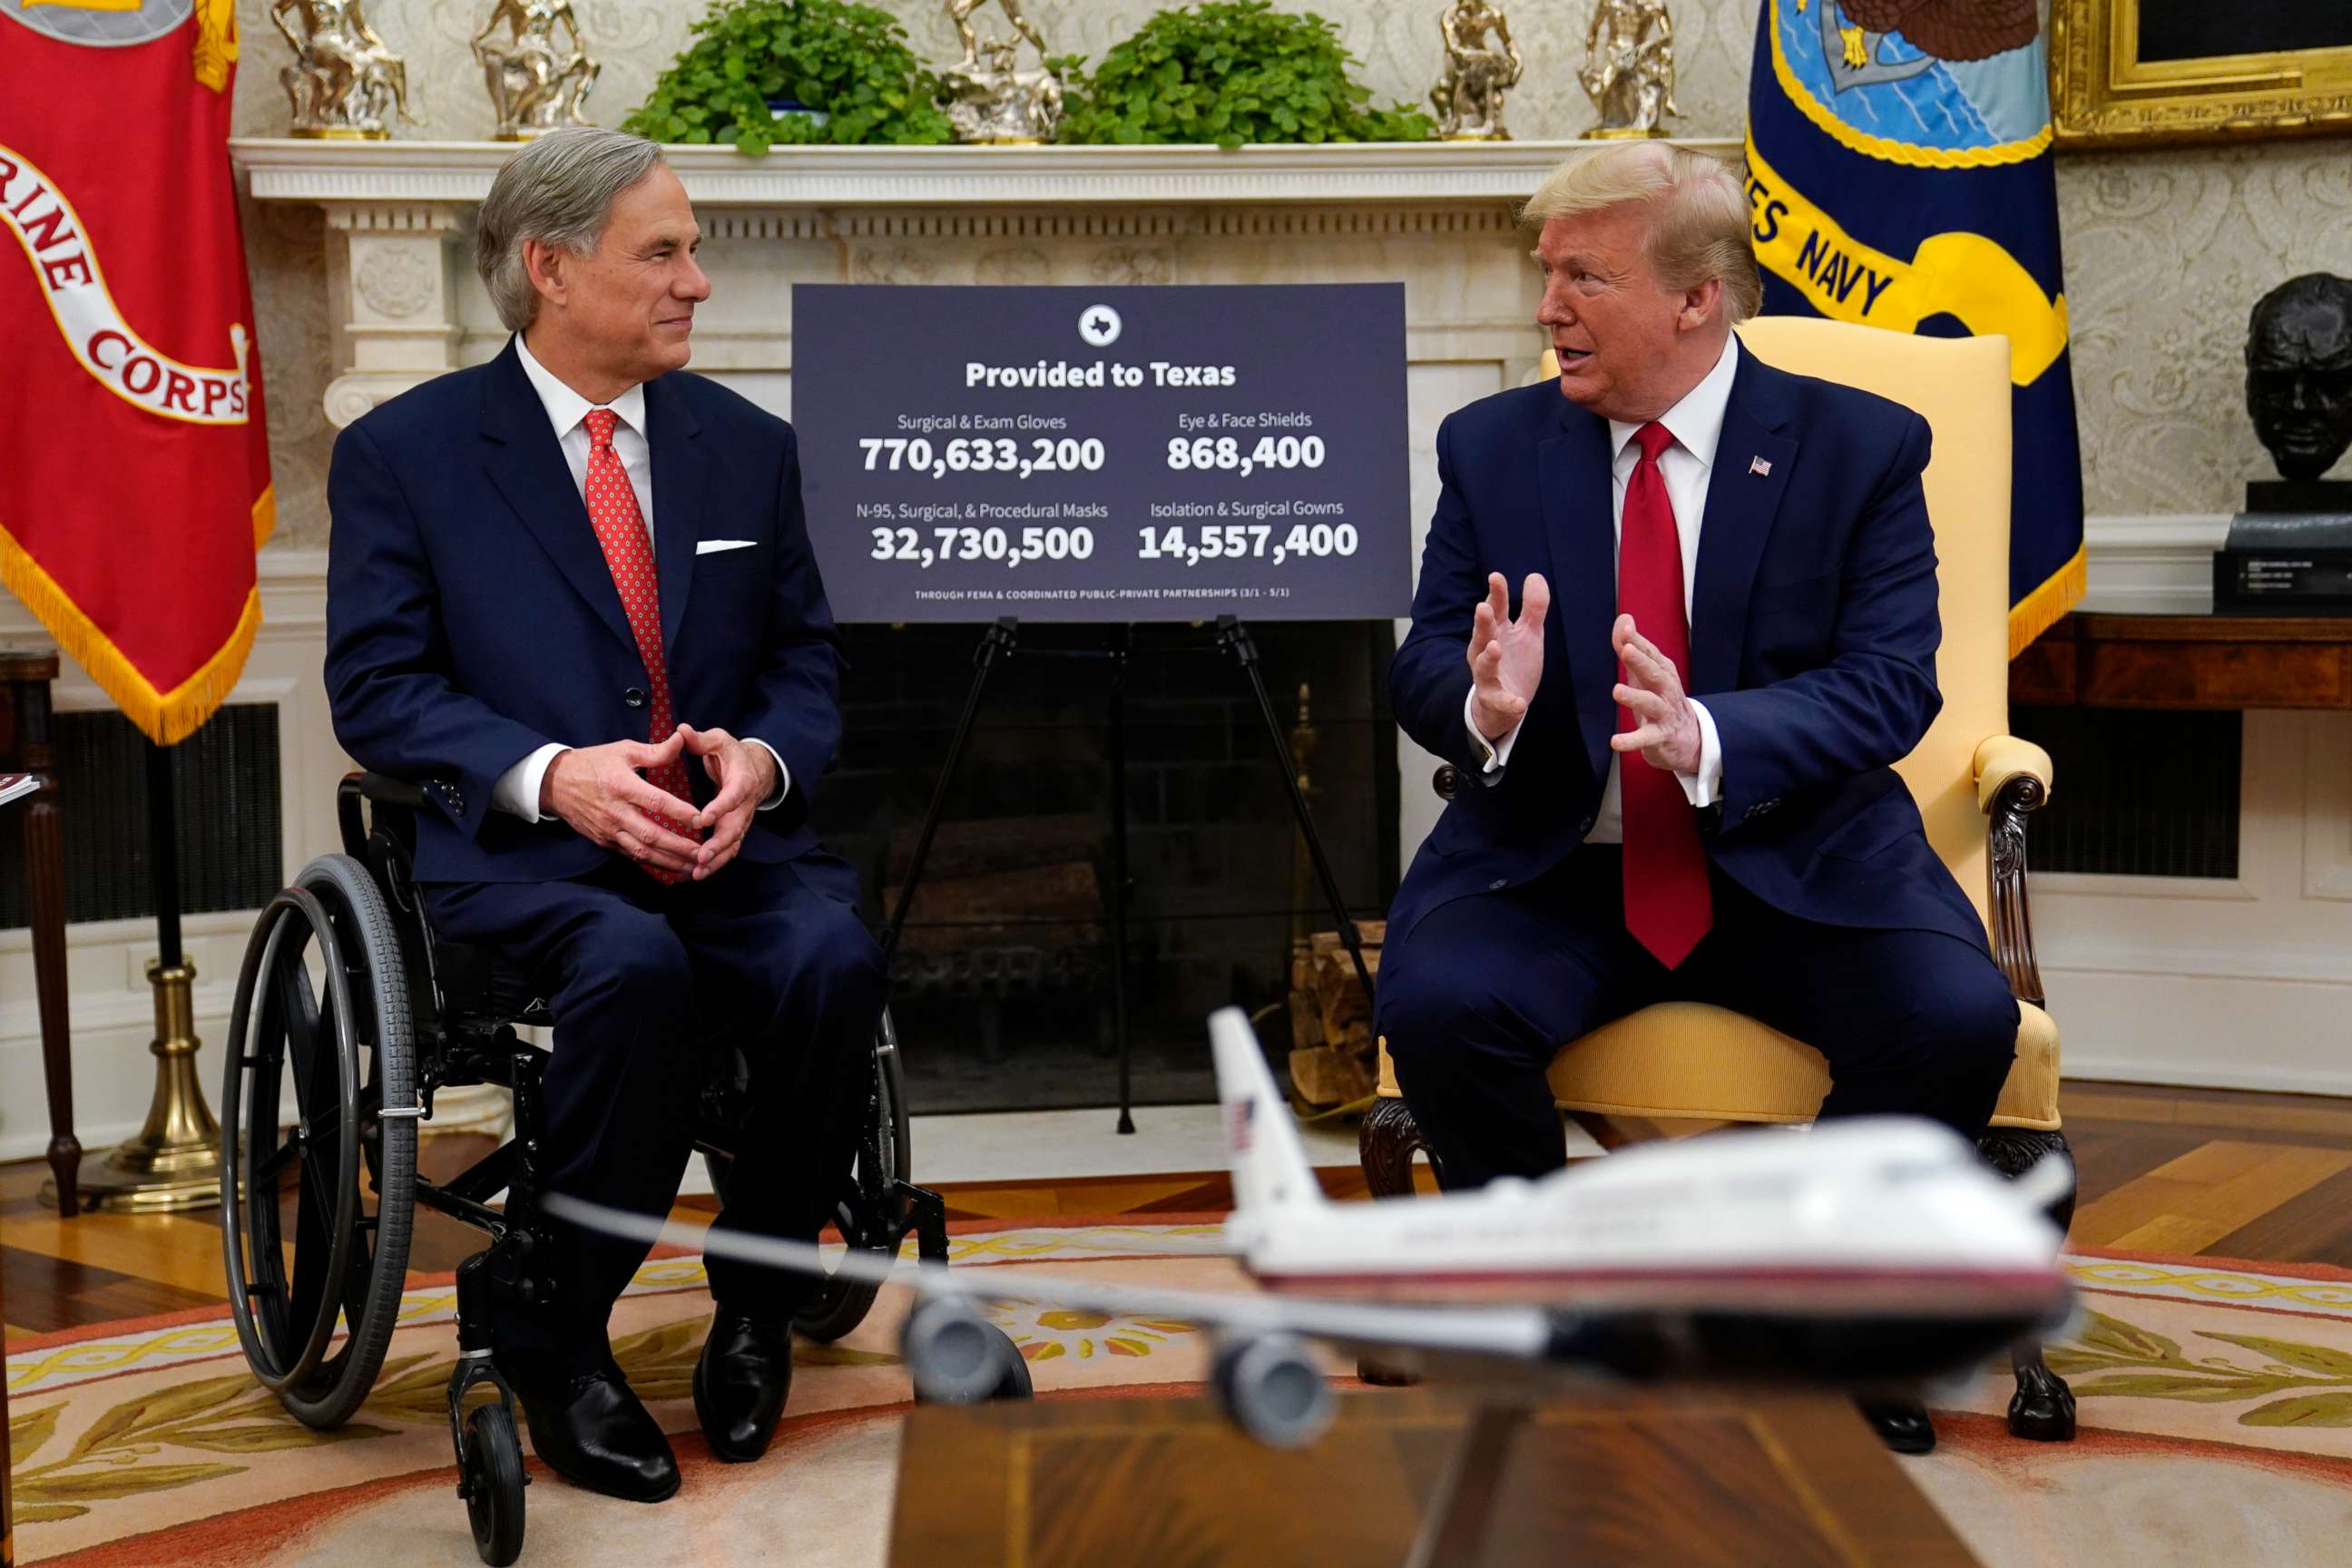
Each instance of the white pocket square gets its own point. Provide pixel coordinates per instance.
(713, 546)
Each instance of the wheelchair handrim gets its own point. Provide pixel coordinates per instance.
(260, 959)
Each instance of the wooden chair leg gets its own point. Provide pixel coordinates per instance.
(1384, 1146)
(2043, 1409)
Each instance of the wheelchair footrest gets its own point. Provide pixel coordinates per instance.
(909, 1207)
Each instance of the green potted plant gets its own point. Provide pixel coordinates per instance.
(797, 71)
(1233, 71)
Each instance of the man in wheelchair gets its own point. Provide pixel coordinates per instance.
(571, 595)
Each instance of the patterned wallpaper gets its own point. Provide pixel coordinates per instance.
(2166, 251)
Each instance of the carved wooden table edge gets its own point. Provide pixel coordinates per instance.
(2098, 659)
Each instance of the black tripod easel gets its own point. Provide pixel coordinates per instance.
(1003, 640)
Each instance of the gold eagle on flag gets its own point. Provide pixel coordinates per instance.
(1940, 29)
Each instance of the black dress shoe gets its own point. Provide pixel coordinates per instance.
(1901, 1423)
(741, 1382)
(592, 1431)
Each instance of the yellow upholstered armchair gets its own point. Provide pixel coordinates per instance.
(1974, 782)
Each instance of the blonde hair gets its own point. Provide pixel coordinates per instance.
(1698, 214)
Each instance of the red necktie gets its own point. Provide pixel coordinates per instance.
(621, 531)
(1668, 906)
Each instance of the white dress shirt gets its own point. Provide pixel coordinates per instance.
(1696, 426)
(518, 788)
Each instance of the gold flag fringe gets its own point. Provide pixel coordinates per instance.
(2042, 608)
(166, 718)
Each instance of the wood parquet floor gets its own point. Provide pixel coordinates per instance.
(2220, 1172)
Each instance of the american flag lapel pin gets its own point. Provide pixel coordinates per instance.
(1758, 465)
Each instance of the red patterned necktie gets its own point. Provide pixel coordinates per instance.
(621, 531)
(1668, 906)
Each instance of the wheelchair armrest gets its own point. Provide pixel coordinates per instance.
(379, 790)
(382, 789)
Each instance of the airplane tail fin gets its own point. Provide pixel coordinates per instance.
(1269, 1162)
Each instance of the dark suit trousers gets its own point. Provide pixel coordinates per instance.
(1477, 998)
(643, 980)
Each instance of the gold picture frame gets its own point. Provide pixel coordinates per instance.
(2104, 93)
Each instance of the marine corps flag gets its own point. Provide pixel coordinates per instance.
(134, 468)
(1899, 176)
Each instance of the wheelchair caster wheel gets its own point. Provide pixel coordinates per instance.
(1015, 1382)
(958, 1357)
(493, 1484)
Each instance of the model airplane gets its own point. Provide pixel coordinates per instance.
(1869, 1253)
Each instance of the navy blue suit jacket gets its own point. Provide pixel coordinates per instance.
(1813, 634)
(471, 617)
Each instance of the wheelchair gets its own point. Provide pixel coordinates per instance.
(346, 997)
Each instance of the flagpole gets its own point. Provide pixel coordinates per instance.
(174, 1162)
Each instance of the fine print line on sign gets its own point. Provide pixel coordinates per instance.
(1105, 454)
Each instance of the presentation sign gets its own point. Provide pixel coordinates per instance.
(1114, 454)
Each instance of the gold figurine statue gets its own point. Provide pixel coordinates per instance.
(1629, 67)
(344, 80)
(960, 13)
(999, 103)
(535, 85)
(1469, 98)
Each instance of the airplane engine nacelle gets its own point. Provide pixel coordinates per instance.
(956, 1356)
(1272, 1389)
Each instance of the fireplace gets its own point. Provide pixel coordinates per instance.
(1003, 986)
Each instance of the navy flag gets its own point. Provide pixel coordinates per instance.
(1899, 176)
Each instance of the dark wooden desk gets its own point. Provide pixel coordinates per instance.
(2188, 661)
(25, 748)
(1744, 1478)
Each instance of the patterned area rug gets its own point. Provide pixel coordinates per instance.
(2216, 1402)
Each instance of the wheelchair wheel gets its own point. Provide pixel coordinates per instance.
(322, 1005)
(884, 1158)
(494, 1480)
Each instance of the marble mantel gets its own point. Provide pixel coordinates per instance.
(286, 169)
(1437, 217)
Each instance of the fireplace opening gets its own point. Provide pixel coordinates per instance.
(1003, 988)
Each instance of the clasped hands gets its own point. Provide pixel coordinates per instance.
(597, 792)
(1507, 666)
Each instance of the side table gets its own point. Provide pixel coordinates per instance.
(25, 747)
(2188, 662)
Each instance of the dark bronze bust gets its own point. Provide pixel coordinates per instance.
(2299, 373)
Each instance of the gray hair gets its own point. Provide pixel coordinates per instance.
(1699, 222)
(558, 191)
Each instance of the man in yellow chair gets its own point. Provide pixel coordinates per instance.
(1677, 620)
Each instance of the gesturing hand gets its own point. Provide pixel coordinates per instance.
(1507, 656)
(745, 774)
(1665, 731)
(597, 792)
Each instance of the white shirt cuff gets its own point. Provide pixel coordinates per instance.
(1702, 788)
(1498, 753)
(783, 776)
(517, 791)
